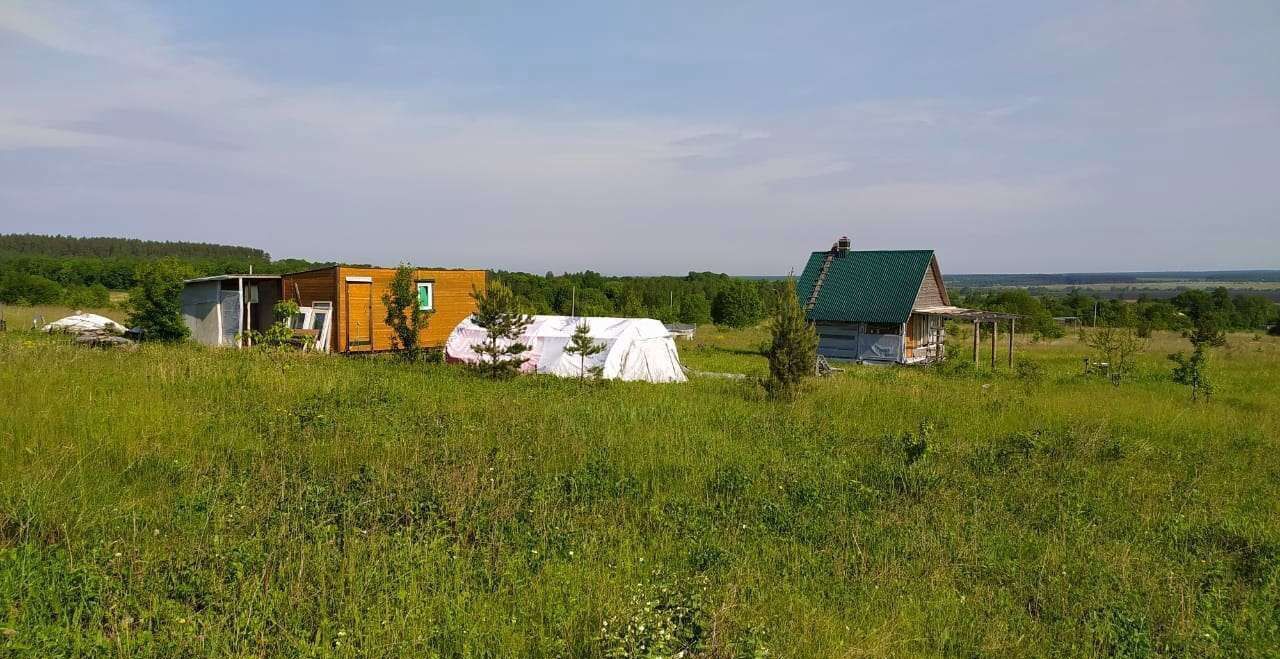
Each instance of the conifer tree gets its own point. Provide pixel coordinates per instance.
(793, 351)
(497, 311)
(583, 346)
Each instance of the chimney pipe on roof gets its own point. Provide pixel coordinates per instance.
(841, 246)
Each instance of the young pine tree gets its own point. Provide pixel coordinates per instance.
(405, 314)
(582, 346)
(501, 353)
(793, 351)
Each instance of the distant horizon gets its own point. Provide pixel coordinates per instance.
(274, 258)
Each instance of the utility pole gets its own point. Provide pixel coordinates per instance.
(573, 304)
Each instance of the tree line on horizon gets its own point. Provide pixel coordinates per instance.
(81, 272)
(1179, 313)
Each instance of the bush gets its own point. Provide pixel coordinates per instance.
(737, 305)
(1117, 346)
(1028, 370)
(694, 308)
(956, 367)
(155, 305)
(23, 289)
(84, 297)
(279, 334)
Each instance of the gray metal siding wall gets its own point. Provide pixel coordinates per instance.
(200, 311)
(849, 341)
(838, 340)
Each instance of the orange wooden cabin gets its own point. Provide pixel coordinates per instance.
(355, 294)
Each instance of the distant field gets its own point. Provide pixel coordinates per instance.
(1173, 284)
(21, 317)
(1152, 287)
(1160, 289)
(1080, 279)
(181, 501)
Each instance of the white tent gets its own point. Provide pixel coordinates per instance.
(85, 322)
(634, 348)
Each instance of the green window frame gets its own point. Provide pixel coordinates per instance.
(426, 295)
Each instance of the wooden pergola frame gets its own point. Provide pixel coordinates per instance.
(979, 318)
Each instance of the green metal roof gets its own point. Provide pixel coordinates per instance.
(866, 286)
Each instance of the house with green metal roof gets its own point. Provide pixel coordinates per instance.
(886, 306)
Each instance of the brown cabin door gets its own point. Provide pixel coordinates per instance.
(359, 314)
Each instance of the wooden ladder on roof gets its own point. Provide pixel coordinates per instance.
(819, 280)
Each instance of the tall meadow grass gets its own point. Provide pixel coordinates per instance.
(182, 501)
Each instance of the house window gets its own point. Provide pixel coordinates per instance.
(883, 328)
(426, 295)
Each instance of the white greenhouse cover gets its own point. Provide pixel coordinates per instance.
(84, 322)
(634, 348)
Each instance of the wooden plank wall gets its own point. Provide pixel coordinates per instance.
(930, 294)
(312, 286)
(452, 300)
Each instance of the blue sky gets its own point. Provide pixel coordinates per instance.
(652, 137)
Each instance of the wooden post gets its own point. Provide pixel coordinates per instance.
(1013, 324)
(977, 332)
(994, 331)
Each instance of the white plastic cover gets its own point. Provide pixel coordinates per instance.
(634, 348)
(84, 322)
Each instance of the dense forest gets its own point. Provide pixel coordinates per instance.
(81, 272)
(107, 248)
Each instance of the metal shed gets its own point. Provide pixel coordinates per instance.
(220, 310)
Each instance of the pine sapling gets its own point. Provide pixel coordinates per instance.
(583, 346)
(501, 353)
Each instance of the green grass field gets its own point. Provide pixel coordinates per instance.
(20, 318)
(180, 501)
